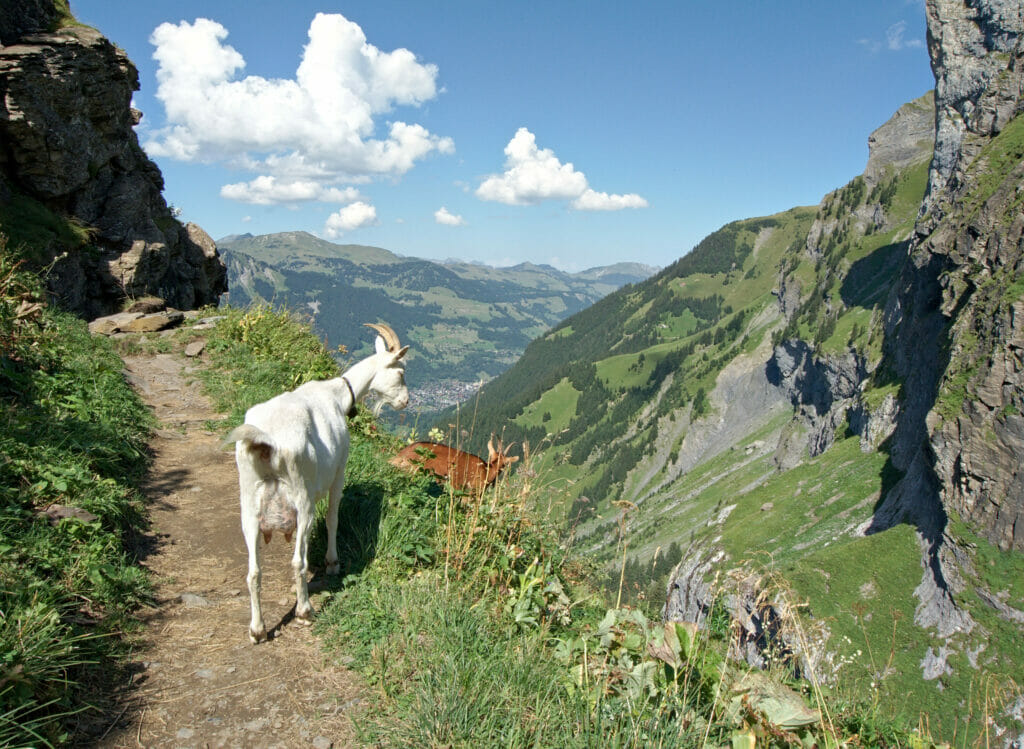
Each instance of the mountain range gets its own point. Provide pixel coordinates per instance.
(466, 322)
(820, 410)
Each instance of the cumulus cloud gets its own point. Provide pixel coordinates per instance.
(591, 200)
(268, 190)
(350, 217)
(443, 216)
(319, 126)
(534, 174)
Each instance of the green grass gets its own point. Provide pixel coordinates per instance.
(37, 232)
(857, 590)
(869, 608)
(472, 624)
(558, 403)
(999, 156)
(71, 433)
(910, 189)
(266, 351)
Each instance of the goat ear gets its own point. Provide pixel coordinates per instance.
(379, 345)
(511, 458)
(401, 353)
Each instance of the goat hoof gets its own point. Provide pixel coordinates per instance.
(256, 637)
(305, 618)
(333, 568)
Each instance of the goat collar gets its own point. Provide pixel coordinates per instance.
(351, 409)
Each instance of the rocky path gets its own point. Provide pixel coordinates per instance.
(197, 681)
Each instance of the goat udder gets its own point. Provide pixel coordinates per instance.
(277, 515)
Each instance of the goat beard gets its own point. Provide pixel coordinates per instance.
(378, 406)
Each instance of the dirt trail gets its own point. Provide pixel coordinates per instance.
(198, 682)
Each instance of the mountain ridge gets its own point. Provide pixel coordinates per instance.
(467, 322)
(843, 401)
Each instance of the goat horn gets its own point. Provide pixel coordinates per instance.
(385, 332)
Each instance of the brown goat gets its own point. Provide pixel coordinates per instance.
(464, 471)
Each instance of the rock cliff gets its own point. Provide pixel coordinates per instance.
(977, 91)
(954, 323)
(952, 331)
(824, 390)
(67, 149)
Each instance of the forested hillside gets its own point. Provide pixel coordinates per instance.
(469, 322)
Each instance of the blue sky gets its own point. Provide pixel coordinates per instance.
(562, 132)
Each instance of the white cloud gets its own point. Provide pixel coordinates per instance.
(894, 37)
(894, 40)
(531, 175)
(267, 190)
(602, 201)
(443, 216)
(246, 219)
(350, 217)
(534, 174)
(319, 126)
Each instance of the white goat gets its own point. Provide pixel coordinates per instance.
(292, 449)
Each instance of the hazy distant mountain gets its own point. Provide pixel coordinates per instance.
(465, 321)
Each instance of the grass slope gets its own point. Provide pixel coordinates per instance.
(471, 622)
(639, 369)
(72, 441)
(473, 625)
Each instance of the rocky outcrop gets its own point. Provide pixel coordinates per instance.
(906, 138)
(768, 631)
(977, 92)
(953, 328)
(20, 17)
(821, 388)
(976, 428)
(954, 324)
(67, 144)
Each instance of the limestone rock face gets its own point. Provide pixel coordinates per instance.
(20, 17)
(977, 93)
(976, 427)
(822, 389)
(66, 127)
(954, 323)
(906, 138)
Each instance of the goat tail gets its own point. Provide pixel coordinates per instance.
(259, 443)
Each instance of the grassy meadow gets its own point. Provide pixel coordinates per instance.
(474, 625)
(469, 618)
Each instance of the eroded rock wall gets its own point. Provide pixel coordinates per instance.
(970, 42)
(66, 141)
(954, 326)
